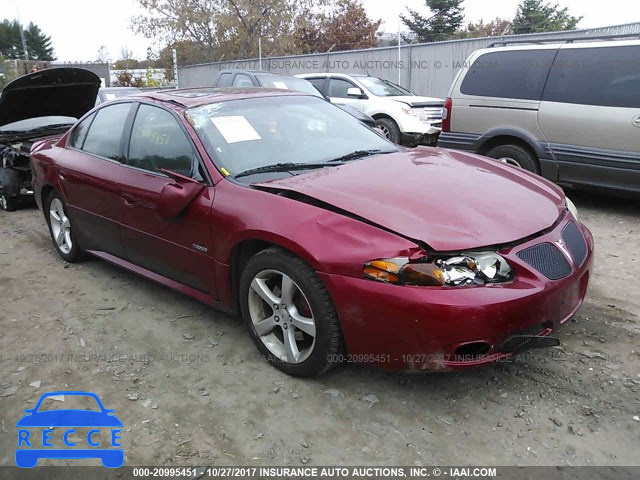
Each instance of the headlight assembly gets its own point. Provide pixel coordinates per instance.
(410, 111)
(473, 268)
(572, 208)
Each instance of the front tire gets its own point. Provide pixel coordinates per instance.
(389, 128)
(61, 230)
(516, 156)
(289, 314)
(9, 204)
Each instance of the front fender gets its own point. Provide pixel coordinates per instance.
(406, 123)
(329, 241)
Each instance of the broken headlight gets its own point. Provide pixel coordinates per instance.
(473, 268)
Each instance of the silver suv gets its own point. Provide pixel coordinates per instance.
(569, 112)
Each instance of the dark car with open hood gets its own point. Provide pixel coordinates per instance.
(332, 242)
(33, 107)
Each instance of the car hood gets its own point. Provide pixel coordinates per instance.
(417, 101)
(450, 200)
(62, 91)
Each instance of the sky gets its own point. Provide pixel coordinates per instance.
(78, 28)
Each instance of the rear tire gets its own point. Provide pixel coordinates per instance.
(390, 129)
(516, 156)
(61, 229)
(303, 301)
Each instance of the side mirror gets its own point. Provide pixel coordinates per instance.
(175, 196)
(355, 92)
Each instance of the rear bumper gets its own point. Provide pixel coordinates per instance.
(424, 328)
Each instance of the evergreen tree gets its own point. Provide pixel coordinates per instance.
(38, 44)
(10, 40)
(535, 16)
(445, 20)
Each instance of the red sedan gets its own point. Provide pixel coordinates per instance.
(332, 243)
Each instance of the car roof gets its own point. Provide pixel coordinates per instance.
(333, 74)
(194, 97)
(253, 72)
(554, 45)
(119, 89)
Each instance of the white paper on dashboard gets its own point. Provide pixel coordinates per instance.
(110, 96)
(280, 85)
(235, 128)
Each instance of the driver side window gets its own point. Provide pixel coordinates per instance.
(158, 142)
(338, 88)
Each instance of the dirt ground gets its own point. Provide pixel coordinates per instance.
(191, 389)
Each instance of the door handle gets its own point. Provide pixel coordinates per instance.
(128, 201)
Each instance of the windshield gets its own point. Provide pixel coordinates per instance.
(383, 88)
(240, 135)
(69, 402)
(288, 83)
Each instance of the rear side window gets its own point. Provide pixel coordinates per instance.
(519, 74)
(158, 142)
(225, 80)
(105, 133)
(606, 76)
(79, 133)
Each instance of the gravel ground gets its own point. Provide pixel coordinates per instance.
(191, 388)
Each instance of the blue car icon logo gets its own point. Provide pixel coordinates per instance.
(32, 447)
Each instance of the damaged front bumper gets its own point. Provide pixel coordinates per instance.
(428, 139)
(435, 328)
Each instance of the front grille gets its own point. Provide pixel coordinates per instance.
(547, 259)
(572, 236)
(429, 113)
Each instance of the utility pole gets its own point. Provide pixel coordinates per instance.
(175, 67)
(24, 41)
(399, 51)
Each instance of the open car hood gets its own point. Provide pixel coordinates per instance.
(61, 91)
(450, 200)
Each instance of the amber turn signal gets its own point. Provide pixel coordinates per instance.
(398, 271)
(424, 274)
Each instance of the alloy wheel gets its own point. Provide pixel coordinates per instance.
(60, 226)
(281, 316)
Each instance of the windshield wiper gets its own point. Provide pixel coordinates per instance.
(283, 167)
(359, 154)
